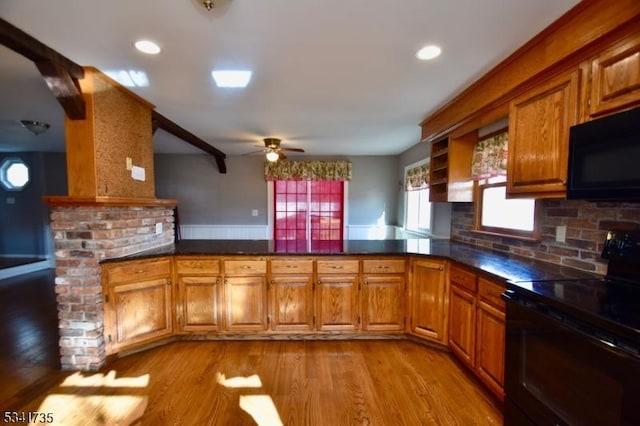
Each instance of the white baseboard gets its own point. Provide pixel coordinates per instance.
(26, 269)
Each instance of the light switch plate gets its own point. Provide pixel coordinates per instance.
(254, 212)
(158, 228)
(561, 234)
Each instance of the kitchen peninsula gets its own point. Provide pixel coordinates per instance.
(432, 290)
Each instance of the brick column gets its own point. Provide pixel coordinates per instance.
(83, 236)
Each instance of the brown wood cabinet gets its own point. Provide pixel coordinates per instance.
(200, 291)
(337, 295)
(383, 286)
(490, 335)
(245, 295)
(450, 168)
(539, 122)
(429, 300)
(614, 78)
(476, 331)
(462, 314)
(138, 302)
(291, 294)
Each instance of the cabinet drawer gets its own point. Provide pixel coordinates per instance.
(383, 266)
(490, 292)
(136, 271)
(292, 266)
(198, 266)
(245, 267)
(463, 278)
(337, 266)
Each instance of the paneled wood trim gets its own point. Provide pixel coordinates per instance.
(572, 38)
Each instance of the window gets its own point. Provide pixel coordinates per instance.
(14, 174)
(417, 205)
(498, 215)
(308, 210)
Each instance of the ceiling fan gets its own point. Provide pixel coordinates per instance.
(274, 150)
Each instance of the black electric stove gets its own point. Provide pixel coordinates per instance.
(572, 352)
(610, 303)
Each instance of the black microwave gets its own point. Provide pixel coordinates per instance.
(604, 158)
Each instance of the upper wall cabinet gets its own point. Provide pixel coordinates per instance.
(539, 122)
(615, 78)
(450, 168)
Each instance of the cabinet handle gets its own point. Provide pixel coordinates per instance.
(168, 282)
(337, 267)
(383, 267)
(245, 267)
(226, 281)
(218, 281)
(292, 266)
(140, 271)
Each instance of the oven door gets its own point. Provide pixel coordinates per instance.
(557, 373)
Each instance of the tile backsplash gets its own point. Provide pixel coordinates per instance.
(587, 225)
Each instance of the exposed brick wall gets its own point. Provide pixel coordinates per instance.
(83, 237)
(587, 225)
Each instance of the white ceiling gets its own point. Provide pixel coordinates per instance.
(334, 77)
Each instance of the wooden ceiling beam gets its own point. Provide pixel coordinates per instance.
(64, 87)
(60, 73)
(162, 122)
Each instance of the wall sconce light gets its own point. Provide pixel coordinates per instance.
(35, 127)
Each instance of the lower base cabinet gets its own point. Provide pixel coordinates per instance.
(137, 303)
(429, 300)
(476, 330)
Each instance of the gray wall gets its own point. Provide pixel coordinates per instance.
(206, 197)
(24, 229)
(441, 212)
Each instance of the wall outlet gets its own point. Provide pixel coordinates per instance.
(254, 212)
(561, 234)
(158, 228)
(129, 163)
(10, 200)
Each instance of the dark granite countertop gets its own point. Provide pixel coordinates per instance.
(501, 265)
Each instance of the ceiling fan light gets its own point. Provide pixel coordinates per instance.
(272, 156)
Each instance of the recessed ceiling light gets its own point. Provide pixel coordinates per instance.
(231, 78)
(147, 46)
(428, 52)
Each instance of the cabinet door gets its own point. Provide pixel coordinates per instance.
(615, 78)
(291, 302)
(429, 298)
(539, 124)
(139, 312)
(337, 303)
(490, 347)
(201, 300)
(383, 303)
(462, 324)
(246, 303)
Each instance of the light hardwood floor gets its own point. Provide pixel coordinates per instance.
(363, 382)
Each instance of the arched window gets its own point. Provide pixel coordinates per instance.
(14, 174)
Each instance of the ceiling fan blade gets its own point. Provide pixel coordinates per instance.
(292, 149)
(253, 152)
(282, 156)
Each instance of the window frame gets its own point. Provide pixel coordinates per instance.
(479, 186)
(5, 165)
(418, 231)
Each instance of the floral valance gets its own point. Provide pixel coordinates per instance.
(490, 157)
(417, 178)
(307, 170)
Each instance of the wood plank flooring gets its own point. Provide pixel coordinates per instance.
(376, 382)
